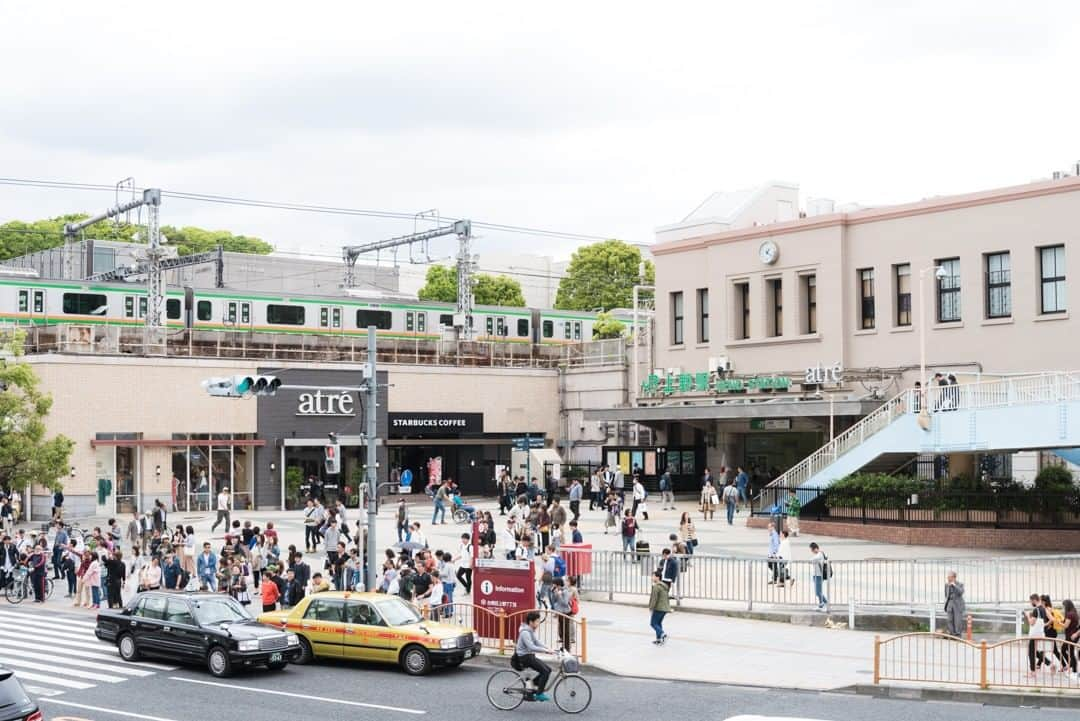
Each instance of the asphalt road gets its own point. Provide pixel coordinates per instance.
(47, 654)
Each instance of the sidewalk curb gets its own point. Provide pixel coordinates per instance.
(1049, 699)
(491, 657)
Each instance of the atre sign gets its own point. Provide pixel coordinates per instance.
(326, 403)
(824, 374)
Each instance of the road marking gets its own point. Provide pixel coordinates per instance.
(254, 689)
(117, 712)
(17, 663)
(56, 640)
(80, 662)
(33, 617)
(39, 690)
(104, 653)
(53, 681)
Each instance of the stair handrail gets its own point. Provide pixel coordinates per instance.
(980, 394)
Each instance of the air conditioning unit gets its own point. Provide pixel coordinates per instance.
(720, 364)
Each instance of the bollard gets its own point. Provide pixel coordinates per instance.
(933, 619)
(970, 626)
(584, 640)
(851, 614)
(877, 660)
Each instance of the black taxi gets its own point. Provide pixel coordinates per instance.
(201, 628)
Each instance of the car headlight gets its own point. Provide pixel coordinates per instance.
(251, 645)
(448, 643)
(292, 639)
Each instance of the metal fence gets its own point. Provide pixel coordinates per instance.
(931, 506)
(908, 582)
(138, 341)
(935, 658)
(498, 630)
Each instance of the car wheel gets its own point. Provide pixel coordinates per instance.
(126, 646)
(218, 662)
(277, 666)
(306, 654)
(415, 660)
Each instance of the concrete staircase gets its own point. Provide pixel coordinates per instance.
(1004, 415)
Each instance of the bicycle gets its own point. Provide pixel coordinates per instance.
(19, 588)
(507, 689)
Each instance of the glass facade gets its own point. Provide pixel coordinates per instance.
(201, 471)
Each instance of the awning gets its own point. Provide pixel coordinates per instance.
(733, 411)
(175, 443)
(539, 457)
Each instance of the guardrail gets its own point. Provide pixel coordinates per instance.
(914, 583)
(138, 341)
(936, 658)
(498, 630)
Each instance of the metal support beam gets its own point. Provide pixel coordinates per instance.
(155, 275)
(71, 230)
(212, 256)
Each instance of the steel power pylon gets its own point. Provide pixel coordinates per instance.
(463, 230)
(155, 277)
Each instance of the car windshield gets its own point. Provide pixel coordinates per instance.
(398, 613)
(224, 610)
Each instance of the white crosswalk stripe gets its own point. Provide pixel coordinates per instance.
(55, 653)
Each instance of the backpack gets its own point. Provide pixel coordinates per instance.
(826, 569)
(574, 606)
(1058, 619)
(560, 567)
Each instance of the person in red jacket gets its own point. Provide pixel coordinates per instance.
(270, 593)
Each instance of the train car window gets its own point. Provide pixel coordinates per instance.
(172, 309)
(85, 304)
(245, 313)
(285, 314)
(230, 316)
(203, 310)
(409, 321)
(39, 301)
(549, 329)
(144, 303)
(566, 329)
(490, 326)
(324, 317)
(129, 306)
(336, 318)
(577, 330)
(500, 326)
(523, 327)
(421, 322)
(446, 319)
(24, 301)
(381, 319)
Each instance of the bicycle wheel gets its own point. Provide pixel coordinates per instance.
(505, 690)
(572, 693)
(15, 592)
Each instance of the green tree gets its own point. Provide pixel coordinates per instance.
(440, 285)
(498, 290)
(26, 455)
(607, 326)
(19, 238)
(602, 275)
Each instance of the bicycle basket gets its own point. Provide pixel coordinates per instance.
(570, 665)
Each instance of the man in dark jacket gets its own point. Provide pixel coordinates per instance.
(293, 592)
(669, 569)
(58, 505)
(301, 570)
(170, 572)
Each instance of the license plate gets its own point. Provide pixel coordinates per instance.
(275, 658)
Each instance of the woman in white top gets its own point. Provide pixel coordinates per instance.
(150, 577)
(187, 558)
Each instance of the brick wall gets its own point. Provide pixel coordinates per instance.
(1026, 539)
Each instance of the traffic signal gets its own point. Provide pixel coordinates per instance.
(242, 386)
(333, 458)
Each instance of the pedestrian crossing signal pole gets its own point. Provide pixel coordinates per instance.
(372, 459)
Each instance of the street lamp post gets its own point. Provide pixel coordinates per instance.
(924, 411)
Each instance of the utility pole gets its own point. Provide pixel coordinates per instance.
(372, 459)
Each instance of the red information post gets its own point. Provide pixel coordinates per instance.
(501, 585)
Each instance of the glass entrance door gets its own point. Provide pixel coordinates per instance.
(126, 485)
(220, 472)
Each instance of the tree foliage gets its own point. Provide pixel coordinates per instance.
(26, 455)
(19, 238)
(440, 285)
(607, 326)
(602, 275)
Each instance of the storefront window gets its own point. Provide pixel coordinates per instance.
(220, 472)
(180, 487)
(199, 478)
(241, 480)
(126, 486)
(106, 479)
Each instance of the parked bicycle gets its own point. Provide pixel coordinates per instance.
(508, 689)
(18, 586)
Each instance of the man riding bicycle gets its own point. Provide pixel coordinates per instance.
(528, 645)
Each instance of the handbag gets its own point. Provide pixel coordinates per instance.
(714, 500)
(693, 542)
(1037, 630)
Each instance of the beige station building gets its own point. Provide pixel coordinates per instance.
(779, 321)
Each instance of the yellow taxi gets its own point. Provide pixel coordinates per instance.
(373, 627)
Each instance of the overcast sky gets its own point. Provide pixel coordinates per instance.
(602, 118)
